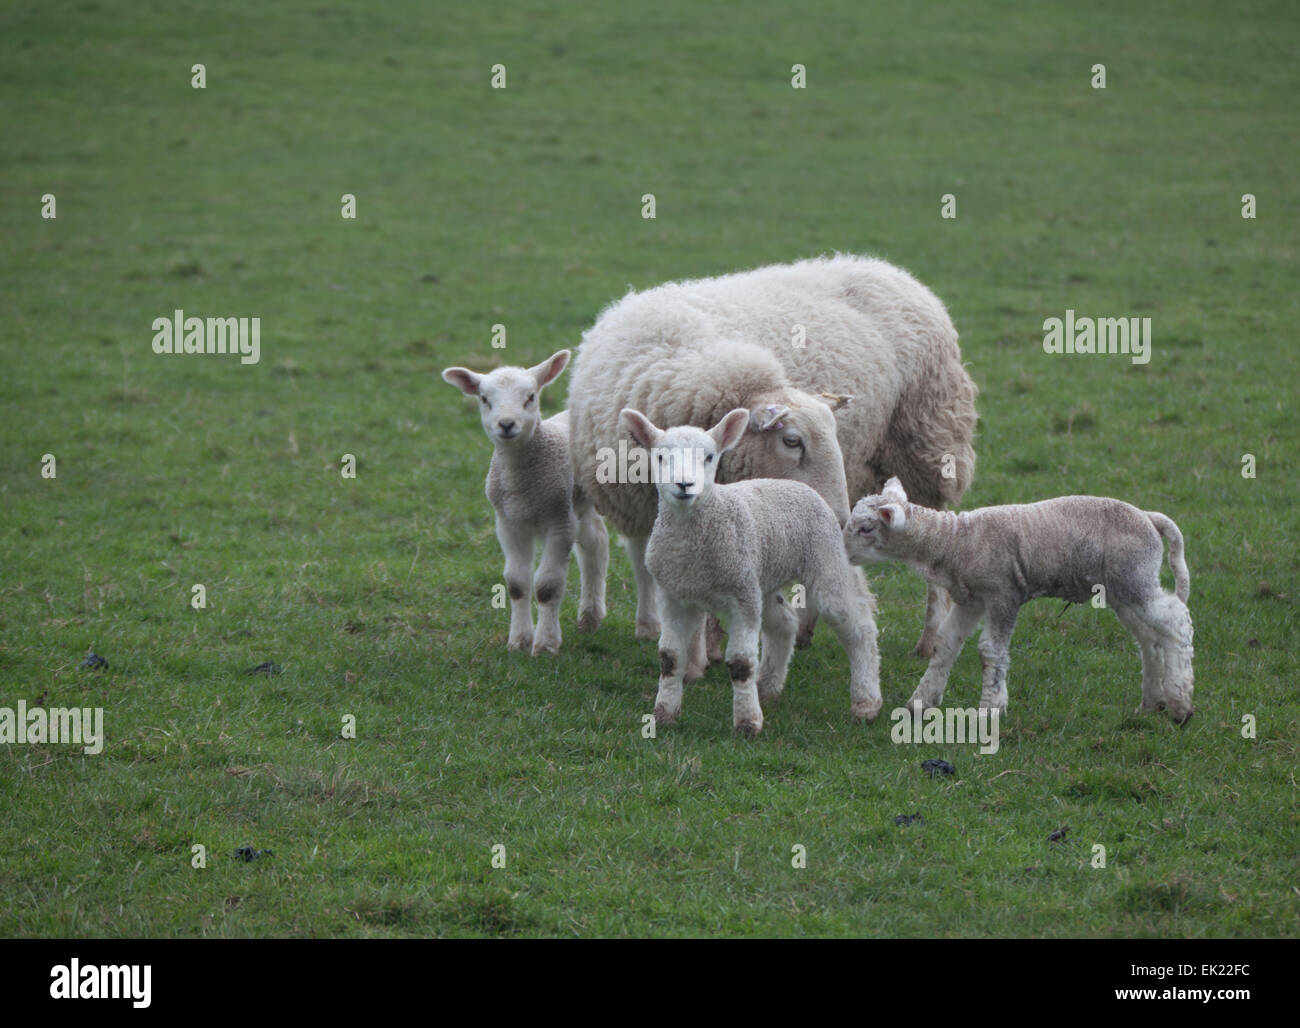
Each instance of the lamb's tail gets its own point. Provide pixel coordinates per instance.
(1166, 527)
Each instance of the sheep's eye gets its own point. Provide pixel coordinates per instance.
(792, 441)
(531, 398)
(485, 401)
(708, 459)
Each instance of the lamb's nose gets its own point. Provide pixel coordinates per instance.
(506, 425)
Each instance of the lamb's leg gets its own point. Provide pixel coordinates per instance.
(779, 627)
(850, 614)
(647, 617)
(937, 605)
(593, 566)
(807, 626)
(1152, 663)
(742, 662)
(995, 652)
(954, 632)
(517, 546)
(551, 576)
(1168, 618)
(679, 624)
(697, 655)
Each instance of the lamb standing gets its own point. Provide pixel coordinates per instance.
(777, 340)
(730, 550)
(995, 559)
(530, 485)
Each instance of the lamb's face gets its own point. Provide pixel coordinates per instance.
(796, 439)
(876, 523)
(507, 405)
(684, 459)
(683, 465)
(509, 398)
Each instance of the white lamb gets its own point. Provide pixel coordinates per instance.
(781, 341)
(993, 560)
(530, 485)
(729, 550)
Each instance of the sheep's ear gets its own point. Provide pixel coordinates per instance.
(892, 516)
(766, 419)
(549, 370)
(894, 491)
(463, 379)
(639, 427)
(727, 432)
(836, 401)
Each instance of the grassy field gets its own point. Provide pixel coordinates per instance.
(522, 206)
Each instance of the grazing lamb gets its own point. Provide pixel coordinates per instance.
(729, 550)
(995, 559)
(781, 341)
(530, 484)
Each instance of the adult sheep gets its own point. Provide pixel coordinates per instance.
(777, 341)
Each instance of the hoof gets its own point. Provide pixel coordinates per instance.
(924, 647)
(545, 645)
(589, 620)
(664, 716)
(523, 644)
(647, 630)
(748, 729)
(1181, 719)
(693, 673)
(867, 711)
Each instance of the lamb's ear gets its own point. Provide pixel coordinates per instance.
(463, 379)
(727, 432)
(894, 491)
(892, 516)
(765, 419)
(639, 427)
(836, 401)
(549, 370)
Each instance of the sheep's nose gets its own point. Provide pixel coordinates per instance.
(506, 424)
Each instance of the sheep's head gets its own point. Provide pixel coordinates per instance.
(792, 435)
(509, 398)
(876, 523)
(684, 459)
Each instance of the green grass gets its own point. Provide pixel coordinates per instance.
(478, 206)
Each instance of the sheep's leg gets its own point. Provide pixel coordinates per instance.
(1153, 697)
(779, 628)
(593, 566)
(1167, 618)
(517, 546)
(956, 629)
(713, 640)
(742, 662)
(807, 625)
(937, 605)
(679, 624)
(697, 655)
(551, 576)
(850, 615)
(647, 617)
(995, 653)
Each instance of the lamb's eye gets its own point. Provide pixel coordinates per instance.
(531, 398)
(792, 441)
(485, 401)
(708, 459)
